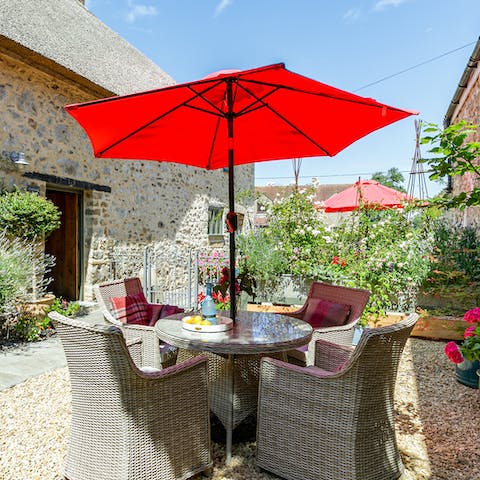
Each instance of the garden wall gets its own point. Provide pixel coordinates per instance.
(164, 205)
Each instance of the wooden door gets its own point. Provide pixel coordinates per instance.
(63, 245)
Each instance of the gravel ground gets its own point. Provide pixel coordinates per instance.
(437, 423)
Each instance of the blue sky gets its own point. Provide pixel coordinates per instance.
(347, 44)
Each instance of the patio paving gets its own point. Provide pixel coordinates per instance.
(32, 359)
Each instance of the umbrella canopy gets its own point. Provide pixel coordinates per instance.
(367, 193)
(230, 118)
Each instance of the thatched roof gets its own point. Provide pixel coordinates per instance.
(66, 36)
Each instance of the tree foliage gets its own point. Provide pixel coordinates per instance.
(27, 215)
(393, 178)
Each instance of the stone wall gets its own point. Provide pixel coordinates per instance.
(163, 205)
(469, 110)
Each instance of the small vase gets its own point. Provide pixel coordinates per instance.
(466, 373)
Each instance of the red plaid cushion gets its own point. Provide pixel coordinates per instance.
(132, 309)
(323, 313)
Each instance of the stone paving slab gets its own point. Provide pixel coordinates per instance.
(33, 359)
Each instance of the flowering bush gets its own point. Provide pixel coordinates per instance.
(210, 265)
(244, 282)
(384, 251)
(469, 349)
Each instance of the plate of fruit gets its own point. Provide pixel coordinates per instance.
(196, 323)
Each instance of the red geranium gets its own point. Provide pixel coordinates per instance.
(452, 351)
(473, 315)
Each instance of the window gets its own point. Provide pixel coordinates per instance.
(215, 220)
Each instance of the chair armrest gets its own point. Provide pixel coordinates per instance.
(292, 376)
(133, 341)
(331, 356)
(196, 363)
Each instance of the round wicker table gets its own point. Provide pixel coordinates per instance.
(234, 358)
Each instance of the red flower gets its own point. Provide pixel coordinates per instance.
(343, 263)
(472, 316)
(453, 352)
(201, 297)
(470, 331)
(335, 260)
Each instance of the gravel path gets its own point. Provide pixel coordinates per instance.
(438, 424)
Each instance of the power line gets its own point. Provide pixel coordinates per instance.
(326, 176)
(416, 66)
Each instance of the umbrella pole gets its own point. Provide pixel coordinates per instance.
(231, 203)
(231, 198)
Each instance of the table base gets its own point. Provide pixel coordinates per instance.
(233, 387)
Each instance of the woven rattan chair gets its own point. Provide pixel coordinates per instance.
(129, 423)
(356, 299)
(155, 353)
(334, 421)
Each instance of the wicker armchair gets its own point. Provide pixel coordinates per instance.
(130, 423)
(155, 353)
(334, 420)
(356, 299)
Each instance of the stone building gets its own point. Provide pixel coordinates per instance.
(57, 53)
(465, 105)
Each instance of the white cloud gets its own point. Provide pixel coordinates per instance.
(383, 4)
(222, 5)
(136, 11)
(352, 15)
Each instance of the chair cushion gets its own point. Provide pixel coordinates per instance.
(162, 311)
(133, 309)
(324, 313)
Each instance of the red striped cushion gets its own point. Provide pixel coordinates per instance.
(132, 309)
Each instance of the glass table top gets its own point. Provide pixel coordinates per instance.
(253, 332)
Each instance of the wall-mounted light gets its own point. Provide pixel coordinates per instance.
(18, 158)
(33, 189)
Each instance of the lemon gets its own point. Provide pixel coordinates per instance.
(206, 322)
(197, 319)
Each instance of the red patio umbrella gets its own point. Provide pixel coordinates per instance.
(368, 193)
(230, 118)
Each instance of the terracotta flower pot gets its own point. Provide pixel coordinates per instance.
(36, 308)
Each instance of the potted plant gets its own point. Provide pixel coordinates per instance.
(466, 356)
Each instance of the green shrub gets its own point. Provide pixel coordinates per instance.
(20, 262)
(63, 306)
(27, 215)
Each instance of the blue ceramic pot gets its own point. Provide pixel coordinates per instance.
(466, 373)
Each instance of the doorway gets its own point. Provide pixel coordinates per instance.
(64, 244)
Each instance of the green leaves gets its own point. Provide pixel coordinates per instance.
(27, 215)
(454, 156)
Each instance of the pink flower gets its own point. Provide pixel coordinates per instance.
(472, 316)
(453, 352)
(470, 331)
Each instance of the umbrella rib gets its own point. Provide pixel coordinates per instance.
(206, 100)
(288, 122)
(145, 125)
(358, 100)
(251, 108)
